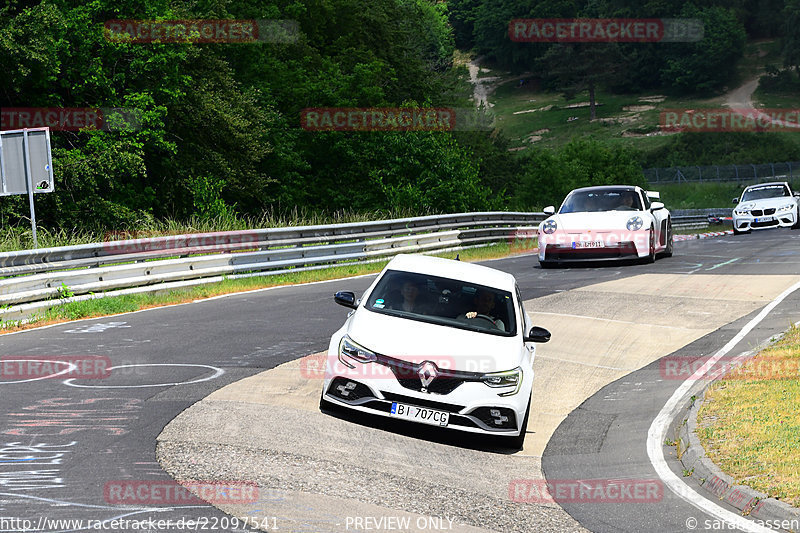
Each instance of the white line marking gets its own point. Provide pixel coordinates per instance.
(658, 431)
(70, 368)
(218, 372)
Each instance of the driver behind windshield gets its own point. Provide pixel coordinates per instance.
(484, 303)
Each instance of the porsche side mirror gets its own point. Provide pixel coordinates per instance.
(537, 334)
(655, 206)
(346, 299)
(549, 210)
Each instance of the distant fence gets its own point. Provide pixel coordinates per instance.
(720, 173)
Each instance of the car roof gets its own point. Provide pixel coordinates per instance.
(768, 184)
(606, 187)
(449, 268)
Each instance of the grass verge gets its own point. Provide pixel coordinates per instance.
(113, 305)
(749, 423)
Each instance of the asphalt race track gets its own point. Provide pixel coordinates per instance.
(225, 390)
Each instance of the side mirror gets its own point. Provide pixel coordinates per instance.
(796, 194)
(549, 210)
(345, 298)
(655, 206)
(537, 334)
(736, 200)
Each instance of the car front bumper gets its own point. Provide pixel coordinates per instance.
(472, 406)
(615, 246)
(775, 220)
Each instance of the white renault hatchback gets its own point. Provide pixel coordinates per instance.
(766, 205)
(440, 342)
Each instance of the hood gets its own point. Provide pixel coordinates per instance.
(602, 221)
(446, 346)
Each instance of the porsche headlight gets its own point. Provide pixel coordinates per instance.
(549, 226)
(634, 223)
(349, 350)
(510, 378)
(785, 208)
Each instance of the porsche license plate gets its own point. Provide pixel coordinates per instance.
(420, 414)
(588, 244)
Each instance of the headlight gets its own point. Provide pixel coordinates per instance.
(635, 223)
(784, 208)
(511, 378)
(549, 226)
(350, 350)
(742, 211)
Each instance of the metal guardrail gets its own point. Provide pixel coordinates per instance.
(47, 276)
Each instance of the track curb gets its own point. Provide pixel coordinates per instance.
(712, 479)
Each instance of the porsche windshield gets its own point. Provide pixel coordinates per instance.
(760, 193)
(602, 200)
(445, 302)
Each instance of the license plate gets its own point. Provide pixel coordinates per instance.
(420, 414)
(764, 219)
(588, 244)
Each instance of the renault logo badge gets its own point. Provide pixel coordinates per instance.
(427, 373)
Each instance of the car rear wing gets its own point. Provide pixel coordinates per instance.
(653, 195)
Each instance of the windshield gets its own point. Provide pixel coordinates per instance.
(769, 191)
(601, 200)
(445, 302)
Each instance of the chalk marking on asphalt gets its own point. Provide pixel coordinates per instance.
(70, 368)
(658, 431)
(218, 372)
(723, 264)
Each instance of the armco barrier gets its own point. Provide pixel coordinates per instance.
(41, 275)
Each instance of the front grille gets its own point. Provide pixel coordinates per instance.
(442, 406)
(769, 211)
(349, 390)
(408, 375)
(757, 212)
(496, 417)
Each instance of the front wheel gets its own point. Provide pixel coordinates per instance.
(796, 219)
(651, 257)
(670, 240)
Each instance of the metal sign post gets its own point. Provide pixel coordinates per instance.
(26, 165)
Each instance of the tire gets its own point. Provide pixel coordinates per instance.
(670, 240)
(796, 219)
(651, 257)
(517, 442)
(547, 264)
(737, 232)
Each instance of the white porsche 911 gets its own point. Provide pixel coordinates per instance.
(766, 205)
(440, 342)
(606, 223)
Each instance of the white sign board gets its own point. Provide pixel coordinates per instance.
(23, 154)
